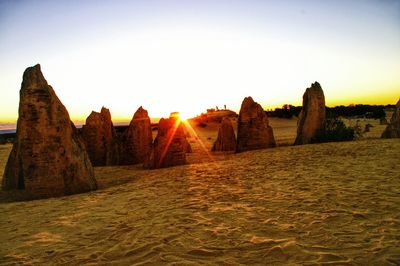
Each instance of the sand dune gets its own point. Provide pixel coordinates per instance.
(333, 204)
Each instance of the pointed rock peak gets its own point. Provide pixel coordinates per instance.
(104, 110)
(226, 140)
(248, 100)
(48, 157)
(251, 108)
(98, 134)
(33, 78)
(137, 140)
(105, 113)
(312, 115)
(254, 131)
(315, 89)
(140, 113)
(94, 117)
(398, 104)
(315, 85)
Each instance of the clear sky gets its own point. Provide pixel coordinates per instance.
(187, 55)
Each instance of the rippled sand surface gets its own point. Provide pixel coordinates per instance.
(333, 204)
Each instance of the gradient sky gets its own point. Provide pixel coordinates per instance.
(191, 55)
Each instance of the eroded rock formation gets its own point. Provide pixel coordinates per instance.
(226, 140)
(254, 131)
(312, 116)
(136, 141)
(393, 128)
(48, 157)
(170, 145)
(99, 136)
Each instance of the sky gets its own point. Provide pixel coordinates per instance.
(187, 55)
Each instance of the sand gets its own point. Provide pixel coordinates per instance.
(330, 204)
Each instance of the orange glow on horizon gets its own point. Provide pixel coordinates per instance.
(369, 97)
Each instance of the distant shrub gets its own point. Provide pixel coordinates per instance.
(287, 111)
(335, 130)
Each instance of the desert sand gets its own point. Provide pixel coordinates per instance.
(332, 203)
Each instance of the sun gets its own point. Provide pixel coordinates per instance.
(177, 115)
(184, 115)
(181, 116)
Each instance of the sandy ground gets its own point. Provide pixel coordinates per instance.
(332, 203)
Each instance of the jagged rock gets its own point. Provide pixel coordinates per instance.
(393, 128)
(136, 141)
(99, 136)
(253, 131)
(48, 157)
(312, 116)
(170, 145)
(226, 140)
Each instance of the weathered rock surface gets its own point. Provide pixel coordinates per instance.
(170, 145)
(136, 141)
(312, 116)
(393, 128)
(254, 131)
(99, 136)
(226, 140)
(48, 157)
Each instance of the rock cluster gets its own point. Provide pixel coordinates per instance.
(48, 157)
(253, 131)
(312, 116)
(136, 141)
(226, 140)
(170, 146)
(99, 136)
(393, 128)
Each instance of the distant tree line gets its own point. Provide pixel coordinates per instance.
(287, 111)
(358, 110)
